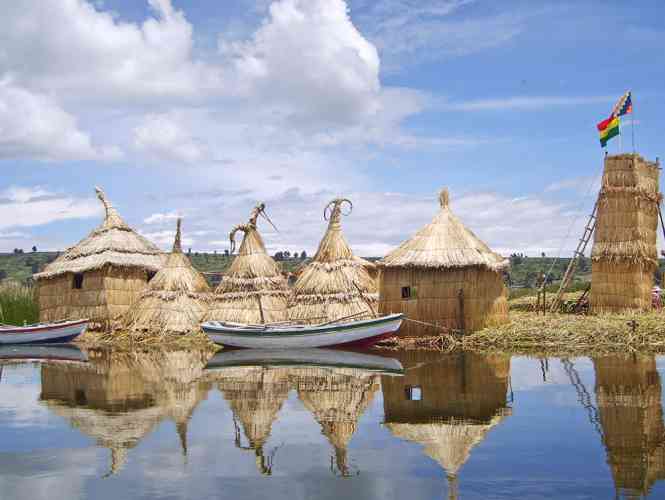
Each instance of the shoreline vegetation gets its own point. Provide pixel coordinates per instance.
(527, 332)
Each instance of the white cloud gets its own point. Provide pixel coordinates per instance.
(160, 218)
(165, 238)
(35, 126)
(26, 207)
(519, 103)
(164, 137)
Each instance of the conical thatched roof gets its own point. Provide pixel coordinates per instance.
(176, 299)
(112, 243)
(444, 243)
(335, 284)
(253, 290)
(337, 400)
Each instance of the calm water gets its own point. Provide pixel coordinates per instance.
(161, 425)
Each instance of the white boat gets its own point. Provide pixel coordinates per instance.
(289, 358)
(42, 333)
(289, 336)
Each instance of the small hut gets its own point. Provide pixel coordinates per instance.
(336, 283)
(253, 290)
(176, 300)
(628, 391)
(624, 255)
(101, 276)
(444, 275)
(447, 403)
(337, 398)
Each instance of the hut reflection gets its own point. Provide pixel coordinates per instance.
(447, 403)
(336, 397)
(119, 398)
(628, 391)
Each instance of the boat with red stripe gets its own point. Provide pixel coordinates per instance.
(57, 332)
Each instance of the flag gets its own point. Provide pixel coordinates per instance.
(624, 105)
(608, 128)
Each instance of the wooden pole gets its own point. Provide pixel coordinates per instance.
(460, 300)
(263, 319)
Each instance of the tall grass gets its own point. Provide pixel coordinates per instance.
(17, 304)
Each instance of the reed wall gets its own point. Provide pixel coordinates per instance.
(104, 296)
(437, 297)
(624, 255)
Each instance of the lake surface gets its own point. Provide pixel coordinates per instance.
(162, 425)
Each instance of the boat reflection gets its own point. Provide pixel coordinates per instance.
(118, 397)
(335, 386)
(447, 403)
(628, 393)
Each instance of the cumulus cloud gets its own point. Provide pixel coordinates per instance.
(35, 126)
(26, 207)
(160, 218)
(164, 137)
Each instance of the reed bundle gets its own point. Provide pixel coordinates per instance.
(100, 277)
(175, 302)
(253, 290)
(335, 284)
(17, 304)
(624, 255)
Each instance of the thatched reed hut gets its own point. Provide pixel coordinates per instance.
(628, 391)
(448, 403)
(336, 283)
(175, 302)
(444, 275)
(337, 398)
(253, 290)
(119, 398)
(101, 276)
(255, 395)
(624, 255)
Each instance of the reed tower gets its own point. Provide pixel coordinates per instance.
(624, 255)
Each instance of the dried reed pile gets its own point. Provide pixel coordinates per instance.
(100, 277)
(175, 302)
(444, 275)
(624, 255)
(336, 283)
(254, 289)
(628, 391)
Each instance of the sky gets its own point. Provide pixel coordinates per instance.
(202, 109)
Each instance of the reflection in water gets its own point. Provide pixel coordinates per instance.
(628, 391)
(119, 398)
(337, 397)
(447, 403)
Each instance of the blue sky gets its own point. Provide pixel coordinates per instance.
(201, 109)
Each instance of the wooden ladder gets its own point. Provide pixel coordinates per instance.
(572, 265)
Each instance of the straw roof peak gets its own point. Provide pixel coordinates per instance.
(112, 218)
(444, 198)
(177, 245)
(444, 243)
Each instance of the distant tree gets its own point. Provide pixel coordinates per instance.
(542, 254)
(18, 251)
(516, 259)
(189, 251)
(34, 248)
(279, 256)
(226, 253)
(215, 252)
(287, 254)
(303, 255)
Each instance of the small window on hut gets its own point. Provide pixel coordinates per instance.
(77, 282)
(413, 393)
(150, 276)
(408, 292)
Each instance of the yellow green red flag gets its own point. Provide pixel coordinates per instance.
(608, 128)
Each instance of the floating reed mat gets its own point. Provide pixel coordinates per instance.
(125, 339)
(530, 332)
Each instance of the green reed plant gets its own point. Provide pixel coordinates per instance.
(17, 304)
